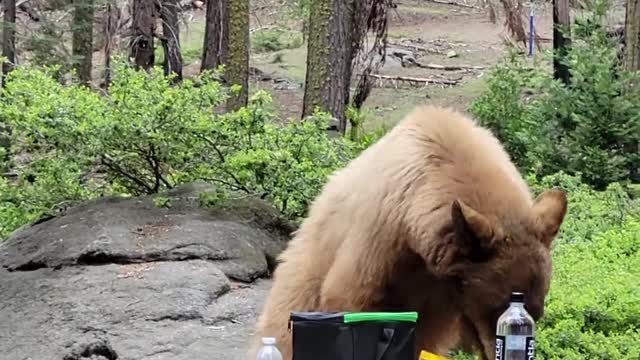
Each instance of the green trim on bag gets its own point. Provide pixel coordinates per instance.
(350, 317)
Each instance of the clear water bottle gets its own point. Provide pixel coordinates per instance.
(515, 334)
(269, 351)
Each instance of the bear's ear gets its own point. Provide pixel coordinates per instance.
(548, 212)
(476, 234)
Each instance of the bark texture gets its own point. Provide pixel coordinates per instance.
(216, 35)
(237, 67)
(632, 32)
(561, 41)
(143, 26)
(82, 42)
(329, 55)
(8, 51)
(632, 62)
(8, 35)
(110, 28)
(171, 38)
(369, 15)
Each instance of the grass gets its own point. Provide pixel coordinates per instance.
(386, 106)
(275, 39)
(264, 42)
(292, 64)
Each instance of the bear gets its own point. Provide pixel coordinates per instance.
(433, 217)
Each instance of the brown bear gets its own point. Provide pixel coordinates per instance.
(433, 217)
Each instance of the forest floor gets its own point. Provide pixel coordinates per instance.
(423, 31)
(437, 28)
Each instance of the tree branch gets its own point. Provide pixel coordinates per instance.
(110, 163)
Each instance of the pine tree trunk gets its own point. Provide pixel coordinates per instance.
(143, 26)
(329, 57)
(632, 62)
(561, 39)
(171, 41)
(8, 36)
(110, 33)
(8, 51)
(82, 42)
(632, 35)
(216, 36)
(237, 68)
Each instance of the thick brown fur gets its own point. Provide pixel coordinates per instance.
(433, 218)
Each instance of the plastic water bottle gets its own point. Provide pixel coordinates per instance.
(269, 351)
(515, 334)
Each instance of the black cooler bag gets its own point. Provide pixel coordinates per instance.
(353, 335)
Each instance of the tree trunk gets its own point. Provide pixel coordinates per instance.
(143, 26)
(632, 36)
(632, 62)
(8, 51)
(8, 36)
(329, 56)
(110, 28)
(82, 42)
(171, 41)
(369, 15)
(216, 35)
(561, 39)
(237, 68)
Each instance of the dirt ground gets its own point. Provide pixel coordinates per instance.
(441, 28)
(444, 28)
(461, 27)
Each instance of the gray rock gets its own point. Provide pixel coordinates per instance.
(121, 278)
(160, 310)
(243, 238)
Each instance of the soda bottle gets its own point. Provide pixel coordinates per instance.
(515, 333)
(269, 351)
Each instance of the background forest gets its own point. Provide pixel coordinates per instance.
(265, 98)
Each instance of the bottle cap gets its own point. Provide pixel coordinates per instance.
(268, 341)
(517, 297)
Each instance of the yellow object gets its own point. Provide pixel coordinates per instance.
(425, 355)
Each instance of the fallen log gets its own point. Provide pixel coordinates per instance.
(450, 67)
(454, 3)
(414, 81)
(416, 48)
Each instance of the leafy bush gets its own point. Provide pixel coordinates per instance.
(502, 109)
(148, 135)
(593, 306)
(590, 212)
(592, 310)
(46, 186)
(591, 126)
(275, 39)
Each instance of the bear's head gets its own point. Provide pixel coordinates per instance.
(493, 257)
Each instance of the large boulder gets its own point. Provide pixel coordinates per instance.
(124, 278)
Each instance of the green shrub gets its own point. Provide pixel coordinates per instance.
(592, 310)
(503, 110)
(591, 126)
(589, 212)
(275, 39)
(148, 135)
(593, 307)
(46, 186)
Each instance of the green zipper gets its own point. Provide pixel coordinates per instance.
(350, 317)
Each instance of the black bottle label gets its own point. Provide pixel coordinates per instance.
(500, 347)
(531, 347)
